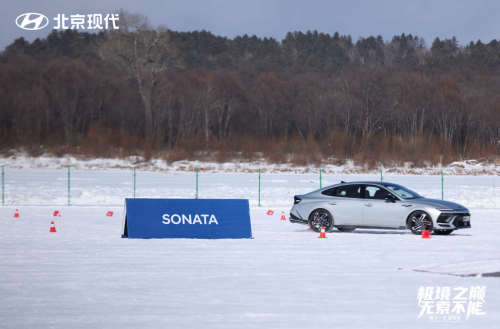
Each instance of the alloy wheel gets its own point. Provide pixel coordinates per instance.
(321, 218)
(419, 222)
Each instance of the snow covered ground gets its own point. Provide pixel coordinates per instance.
(86, 276)
(486, 267)
(43, 180)
(50, 187)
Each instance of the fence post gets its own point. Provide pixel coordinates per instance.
(320, 178)
(69, 188)
(442, 186)
(3, 202)
(381, 178)
(196, 195)
(259, 187)
(134, 182)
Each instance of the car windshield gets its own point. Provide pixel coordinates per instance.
(403, 192)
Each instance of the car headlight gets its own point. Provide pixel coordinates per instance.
(441, 209)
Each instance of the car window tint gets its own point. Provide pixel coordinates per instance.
(330, 192)
(375, 192)
(349, 191)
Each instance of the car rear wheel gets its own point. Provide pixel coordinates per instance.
(346, 229)
(443, 232)
(420, 221)
(321, 217)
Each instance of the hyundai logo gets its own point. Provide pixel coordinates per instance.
(32, 21)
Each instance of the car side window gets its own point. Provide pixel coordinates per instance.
(349, 191)
(330, 192)
(375, 192)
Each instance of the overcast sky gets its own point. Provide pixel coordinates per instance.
(467, 20)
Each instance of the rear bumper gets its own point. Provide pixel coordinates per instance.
(296, 220)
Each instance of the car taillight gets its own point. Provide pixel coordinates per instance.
(296, 200)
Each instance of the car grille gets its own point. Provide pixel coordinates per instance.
(443, 217)
(459, 221)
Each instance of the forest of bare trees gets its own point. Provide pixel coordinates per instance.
(310, 98)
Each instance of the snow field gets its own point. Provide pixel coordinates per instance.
(50, 187)
(86, 276)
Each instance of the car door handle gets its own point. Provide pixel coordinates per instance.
(368, 204)
(333, 203)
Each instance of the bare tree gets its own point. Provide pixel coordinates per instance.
(143, 52)
(70, 89)
(267, 98)
(229, 98)
(207, 104)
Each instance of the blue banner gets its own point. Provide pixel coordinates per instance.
(186, 218)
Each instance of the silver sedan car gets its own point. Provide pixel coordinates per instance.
(376, 205)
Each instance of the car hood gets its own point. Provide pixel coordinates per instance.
(441, 203)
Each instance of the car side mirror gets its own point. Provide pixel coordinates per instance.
(391, 199)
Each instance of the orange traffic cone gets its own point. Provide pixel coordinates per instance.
(52, 228)
(270, 212)
(56, 213)
(283, 216)
(196, 196)
(309, 228)
(322, 234)
(426, 234)
(109, 214)
(16, 215)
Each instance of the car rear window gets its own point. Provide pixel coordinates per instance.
(349, 191)
(330, 192)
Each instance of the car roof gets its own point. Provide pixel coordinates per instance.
(385, 184)
(370, 182)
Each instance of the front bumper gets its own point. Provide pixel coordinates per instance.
(453, 221)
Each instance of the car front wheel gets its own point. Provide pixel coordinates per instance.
(319, 218)
(420, 221)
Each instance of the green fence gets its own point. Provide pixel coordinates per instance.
(76, 187)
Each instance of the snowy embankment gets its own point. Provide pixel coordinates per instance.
(22, 161)
(56, 187)
(86, 276)
(45, 181)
